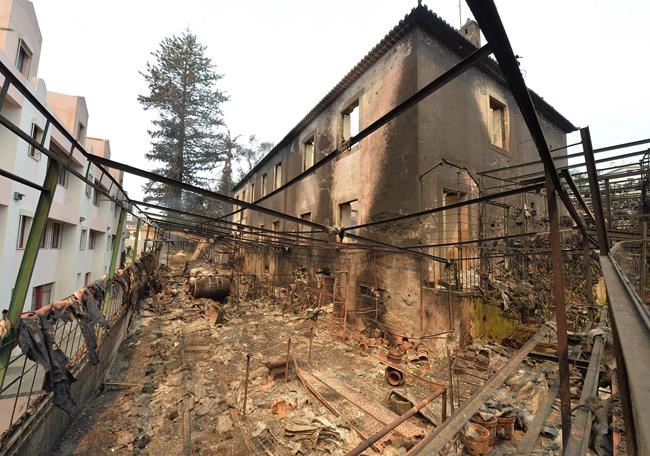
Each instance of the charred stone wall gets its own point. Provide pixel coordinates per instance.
(428, 156)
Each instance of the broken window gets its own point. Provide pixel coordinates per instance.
(277, 176)
(497, 123)
(276, 226)
(349, 213)
(263, 184)
(37, 135)
(252, 195)
(83, 240)
(260, 237)
(23, 58)
(42, 295)
(350, 119)
(86, 279)
(24, 225)
(308, 154)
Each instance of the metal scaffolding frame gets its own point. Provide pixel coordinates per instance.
(630, 318)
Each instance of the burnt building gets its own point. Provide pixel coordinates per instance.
(428, 156)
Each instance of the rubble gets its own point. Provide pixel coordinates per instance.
(268, 370)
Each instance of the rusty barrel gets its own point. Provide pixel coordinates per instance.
(211, 287)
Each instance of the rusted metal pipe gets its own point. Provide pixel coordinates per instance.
(589, 286)
(581, 431)
(248, 369)
(435, 442)
(560, 309)
(311, 340)
(286, 366)
(444, 406)
(396, 422)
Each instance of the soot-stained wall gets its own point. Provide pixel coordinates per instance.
(427, 155)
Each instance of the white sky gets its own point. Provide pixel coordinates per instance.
(587, 58)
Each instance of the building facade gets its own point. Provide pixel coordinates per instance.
(76, 248)
(426, 157)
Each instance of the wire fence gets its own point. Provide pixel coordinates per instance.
(628, 256)
(22, 393)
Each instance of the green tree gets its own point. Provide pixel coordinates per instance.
(238, 158)
(250, 153)
(183, 92)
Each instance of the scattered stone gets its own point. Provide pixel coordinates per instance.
(175, 379)
(224, 424)
(280, 409)
(148, 388)
(259, 372)
(142, 441)
(123, 438)
(548, 431)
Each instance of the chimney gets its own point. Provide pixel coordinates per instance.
(471, 32)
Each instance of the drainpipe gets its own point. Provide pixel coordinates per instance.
(28, 262)
(134, 253)
(117, 241)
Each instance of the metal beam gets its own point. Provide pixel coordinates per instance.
(576, 193)
(631, 326)
(7, 123)
(217, 220)
(49, 117)
(559, 303)
(21, 180)
(596, 201)
(481, 199)
(228, 199)
(532, 176)
(439, 82)
(28, 261)
(117, 241)
(436, 441)
(566, 157)
(581, 429)
(200, 191)
(487, 16)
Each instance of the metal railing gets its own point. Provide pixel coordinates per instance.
(22, 394)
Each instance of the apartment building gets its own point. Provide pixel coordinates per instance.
(75, 249)
(427, 157)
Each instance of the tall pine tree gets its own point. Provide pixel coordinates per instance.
(183, 92)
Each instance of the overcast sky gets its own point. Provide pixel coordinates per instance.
(587, 58)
